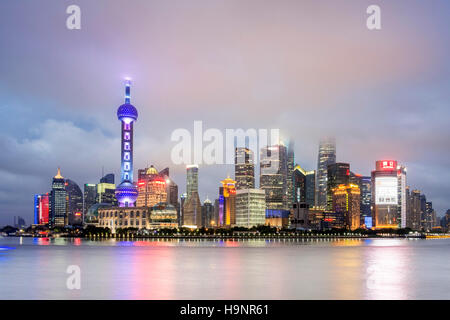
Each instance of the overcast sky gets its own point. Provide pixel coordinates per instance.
(310, 68)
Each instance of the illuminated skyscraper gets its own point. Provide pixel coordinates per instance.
(58, 205)
(41, 208)
(74, 203)
(385, 195)
(337, 173)
(89, 194)
(290, 163)
(228, 191)
(303, 185)
(414, 212)
(274, 176)
(402, 197)
(106, 193)
(192, 209)
(208, 214)
(250, 207)
(151, 187)
(327, 156)
(428, 217)
(244, 168)
(366, 196)
(191, 179)
(181, 214)
(126, 192)
(346, 200)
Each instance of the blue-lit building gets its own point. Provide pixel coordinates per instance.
(126, 192)
(366, 198)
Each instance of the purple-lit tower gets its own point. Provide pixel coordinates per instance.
(126, 192)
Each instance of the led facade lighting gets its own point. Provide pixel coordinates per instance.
(126, 192)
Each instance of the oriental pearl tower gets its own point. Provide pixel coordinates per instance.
(126, 192)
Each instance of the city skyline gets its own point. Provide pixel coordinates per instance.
(63, 120)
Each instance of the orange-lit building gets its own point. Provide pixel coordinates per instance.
(227, 202)
(151, 188)
(346, 200)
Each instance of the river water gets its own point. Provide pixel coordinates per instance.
(204, 269)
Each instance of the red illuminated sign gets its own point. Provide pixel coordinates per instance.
(386, 165)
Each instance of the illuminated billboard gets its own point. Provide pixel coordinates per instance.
(386, 190)
(386, 165)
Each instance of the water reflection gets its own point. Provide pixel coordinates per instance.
(387, 270)
(226, 269)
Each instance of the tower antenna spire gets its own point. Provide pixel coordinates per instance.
(127, 90)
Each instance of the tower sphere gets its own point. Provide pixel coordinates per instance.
(127, 113)
(126, 192)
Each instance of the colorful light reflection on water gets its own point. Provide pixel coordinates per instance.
(226, 269)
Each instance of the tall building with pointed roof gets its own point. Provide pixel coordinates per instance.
(58, 202)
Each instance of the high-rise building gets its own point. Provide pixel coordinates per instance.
(58, 205)
(41, 209)
(447, 221)
(337, 174)
(429, 221)
(208, 214)
(423, 210)
(108, 178)
(366, 198)
(191, 179)
(74, 203)
(290, 175)
(244, 168)
(181, 213)
(346, 200)
(385, 195)
(414, 212)
(90, 196)
(171, 188)
(250, 207)
(126, 192)
(106, 193)
(326, 156)
(274, 176)
(402, 197)
(228, 192)
(192, 209)
(216, 212)
(303, 186)
(311, 188)
(152, 187)
(20, 222)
